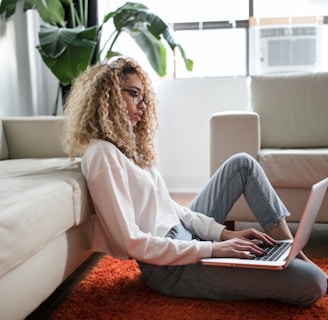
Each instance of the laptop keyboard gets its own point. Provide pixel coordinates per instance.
(273, 253)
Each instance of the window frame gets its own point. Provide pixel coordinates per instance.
(225, 24)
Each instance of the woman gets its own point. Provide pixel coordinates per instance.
(112, 121)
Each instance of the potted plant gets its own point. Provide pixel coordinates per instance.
(69, 44)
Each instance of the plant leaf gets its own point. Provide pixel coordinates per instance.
(130, 7)
(111, 54)
(54, 40)
(135, 19)
(188, 62)
(8, 6)
(168, 36)
(67, 52)
(50, 11)
(152, 48)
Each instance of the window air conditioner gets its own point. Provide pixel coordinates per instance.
(284, 49)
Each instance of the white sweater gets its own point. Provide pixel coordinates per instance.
(134, 211)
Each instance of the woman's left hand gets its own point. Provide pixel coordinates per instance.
(248, 234)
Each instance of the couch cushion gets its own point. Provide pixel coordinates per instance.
(299, 168)
(4, 154)
(40, 199)
(293, 109)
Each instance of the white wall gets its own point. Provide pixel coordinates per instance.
(185, 109)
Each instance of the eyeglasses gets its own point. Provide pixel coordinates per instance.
(137, 97)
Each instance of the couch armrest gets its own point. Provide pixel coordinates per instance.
(233, 132)
(4, 153)
(33, 137)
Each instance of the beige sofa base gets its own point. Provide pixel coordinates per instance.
(36, 279)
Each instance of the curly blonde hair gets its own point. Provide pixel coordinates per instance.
(95, 109)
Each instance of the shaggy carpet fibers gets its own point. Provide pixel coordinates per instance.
(114, 290)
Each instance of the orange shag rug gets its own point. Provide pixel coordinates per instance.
(113, 289)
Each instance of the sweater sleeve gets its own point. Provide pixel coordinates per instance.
(116, 231)
(201, 225)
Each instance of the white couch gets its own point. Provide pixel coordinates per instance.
(46, 215)
(286, 130)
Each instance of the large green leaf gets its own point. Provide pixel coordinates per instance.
(168, 36)
(152, 48)
(132, 14)
(110, 54)
(125, 11)
(145, 28)
(50, 11)
(148, 30)
(8, 7)
(54, 40)
(67, 52)
(188, 62)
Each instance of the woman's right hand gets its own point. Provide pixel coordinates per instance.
(236, 248)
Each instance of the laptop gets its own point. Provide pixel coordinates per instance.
(289, 248)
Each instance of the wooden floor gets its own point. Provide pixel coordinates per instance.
(317, 246)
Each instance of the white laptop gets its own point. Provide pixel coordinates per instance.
(280, 260)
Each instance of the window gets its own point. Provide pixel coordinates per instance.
(289, 8)
(239, 37)
(215, 52)
(213, 34)
(194, 11)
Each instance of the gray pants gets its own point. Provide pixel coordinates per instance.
(302, 283)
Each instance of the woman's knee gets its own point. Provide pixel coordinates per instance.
(312, 284)
(242, 158)
(316, 287)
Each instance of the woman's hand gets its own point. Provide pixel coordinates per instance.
(236, 248)
(248, 234)
(241, 244)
